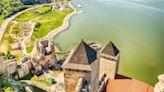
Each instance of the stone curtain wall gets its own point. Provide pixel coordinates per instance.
(71, 77)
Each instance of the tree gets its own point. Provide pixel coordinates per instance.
(8, 84)
(37, 25)
(9, 7)
(4, 81)
(28, 2)
(8, 56)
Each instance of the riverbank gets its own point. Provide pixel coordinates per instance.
(48, 21)
(138, 33)
(66, 23)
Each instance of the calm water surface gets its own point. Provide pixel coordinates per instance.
(135, 26)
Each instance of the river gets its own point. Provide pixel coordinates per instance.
(136, 27)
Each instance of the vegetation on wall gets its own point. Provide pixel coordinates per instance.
(4, 82)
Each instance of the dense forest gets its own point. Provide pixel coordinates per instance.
(29, 2)
(9, 7)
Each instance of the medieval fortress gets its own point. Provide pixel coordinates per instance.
(42, 58)
(86, 69)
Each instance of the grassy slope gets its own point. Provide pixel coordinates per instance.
(26, 16)
(55, 20)
(1, 20)
(52, 20)
(6, 40)
(44, 9)
(29, 15)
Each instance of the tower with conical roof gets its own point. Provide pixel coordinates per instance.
(82, 63)
(109, 60)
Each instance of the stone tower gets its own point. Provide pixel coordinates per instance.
(81, 70)
(44, 54)
(109, 60)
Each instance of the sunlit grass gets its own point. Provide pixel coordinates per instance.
(32, 14)
(1, 20)
(44, 9)
(6, 40)
(56, 20)
(26, 16)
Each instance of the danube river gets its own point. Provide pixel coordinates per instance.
(136, 27)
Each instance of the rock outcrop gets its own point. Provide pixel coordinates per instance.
(159, 87)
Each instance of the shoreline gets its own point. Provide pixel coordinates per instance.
(66, 23)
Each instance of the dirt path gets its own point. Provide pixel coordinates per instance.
(27, 38)
(11, 28)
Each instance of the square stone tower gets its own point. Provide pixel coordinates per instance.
(109, 60)
(44, 55)
(82, 63)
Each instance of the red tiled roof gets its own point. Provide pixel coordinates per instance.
(127, 85)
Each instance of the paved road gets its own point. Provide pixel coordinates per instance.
(5, 23)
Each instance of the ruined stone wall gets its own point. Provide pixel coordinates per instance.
(50, 60)
(10, 67)
(71, 77)
(45, 60)
(2, 66)
(25, 69)
(29, 64)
